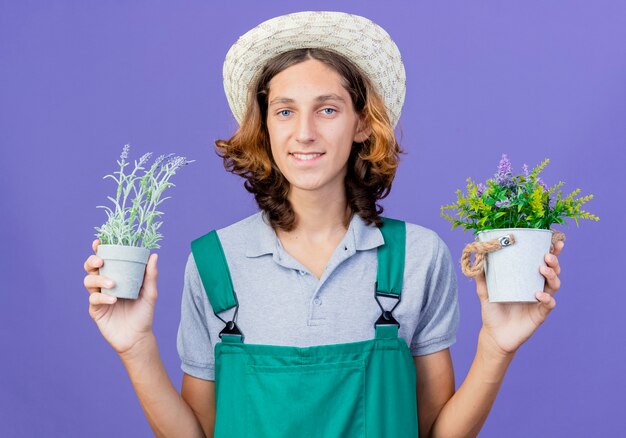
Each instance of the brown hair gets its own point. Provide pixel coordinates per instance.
(371, 166)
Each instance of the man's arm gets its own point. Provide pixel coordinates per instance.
(435, 386)
(167, 412)
(200, 396)
(442, 412)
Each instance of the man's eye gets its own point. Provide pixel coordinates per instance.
(284, 113)
(329, 111)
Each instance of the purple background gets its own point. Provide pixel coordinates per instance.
(80, 79)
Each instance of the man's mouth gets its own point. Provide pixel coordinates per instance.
(306, 157)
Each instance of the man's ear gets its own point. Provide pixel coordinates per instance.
(363, 130)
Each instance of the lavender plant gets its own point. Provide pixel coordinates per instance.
(515, 201)
(137, 224)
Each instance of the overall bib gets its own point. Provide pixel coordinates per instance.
(357, 389)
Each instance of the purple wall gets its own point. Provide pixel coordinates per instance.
(81, 79)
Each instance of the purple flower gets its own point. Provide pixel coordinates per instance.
(504, 176)
(481, 189)
(503, 204)
(525, 168)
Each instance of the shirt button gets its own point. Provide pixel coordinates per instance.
(302, 272)
(317, 301)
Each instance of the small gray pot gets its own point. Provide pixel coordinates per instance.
(512, 272)
(126, 266)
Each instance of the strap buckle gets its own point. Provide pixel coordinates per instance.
(231, 327)
(386, 317)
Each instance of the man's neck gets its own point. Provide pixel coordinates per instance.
(319, 217)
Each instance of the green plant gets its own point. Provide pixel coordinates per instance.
(136, 225)
(515, 201)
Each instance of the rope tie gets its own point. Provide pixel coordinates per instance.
(483, 248)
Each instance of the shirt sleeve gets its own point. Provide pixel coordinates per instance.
(439, 316)
(193, 342)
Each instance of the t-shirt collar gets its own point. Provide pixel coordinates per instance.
(262, 238)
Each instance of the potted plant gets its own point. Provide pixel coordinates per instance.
(511, 217)
(130, 231)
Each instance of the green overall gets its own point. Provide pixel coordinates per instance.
(357, 389)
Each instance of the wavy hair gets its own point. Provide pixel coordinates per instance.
(372, 164)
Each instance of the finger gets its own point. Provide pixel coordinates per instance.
(149, 286)
(553, 283)
(553, 262)
(92, 264)
(558, 247)
(95, 244)
(94, 283)
(99, 299)
(545, 305)
(481, 287)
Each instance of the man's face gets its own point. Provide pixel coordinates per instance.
(312, 125)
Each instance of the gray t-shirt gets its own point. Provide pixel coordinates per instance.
(282, 303)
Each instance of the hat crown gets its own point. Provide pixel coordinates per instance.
(357, 38)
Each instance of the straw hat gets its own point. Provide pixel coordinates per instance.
(360, 40)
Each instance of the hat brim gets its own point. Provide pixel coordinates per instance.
(357, 38)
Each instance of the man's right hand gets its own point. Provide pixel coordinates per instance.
(123, 322)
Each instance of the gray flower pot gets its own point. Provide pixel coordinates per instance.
(512, 272)
(126, 266)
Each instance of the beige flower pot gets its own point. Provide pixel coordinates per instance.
(512, 272)
(126, 266)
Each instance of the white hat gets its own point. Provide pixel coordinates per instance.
(360, 40)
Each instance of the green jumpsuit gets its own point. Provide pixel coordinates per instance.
(357, 389)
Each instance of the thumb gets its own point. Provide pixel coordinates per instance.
(481, 287)
(149, 287)
(545, 306)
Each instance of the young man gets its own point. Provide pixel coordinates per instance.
(316, 316)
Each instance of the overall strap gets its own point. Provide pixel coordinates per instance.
(390, 272)
(211, 263)
(213, 268)
(391, 258)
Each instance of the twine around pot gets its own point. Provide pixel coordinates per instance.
(482, 248)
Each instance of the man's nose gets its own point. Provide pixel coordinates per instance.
(306, 128)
